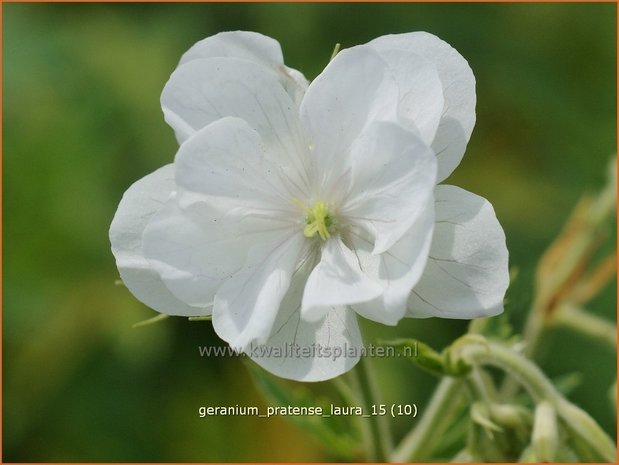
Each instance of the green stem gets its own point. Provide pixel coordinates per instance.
(419, 442)
(462, 457)
(597, 328)
(599, 211)
(377, 438)
(524, 371)
(569, 316)
(336, 50)
(578, 422)
(479, 386)
(150, 321)
(533, 330)
(345, 391)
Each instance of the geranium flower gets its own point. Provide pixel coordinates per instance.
(290, 211)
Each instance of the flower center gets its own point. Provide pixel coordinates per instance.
(318, 221)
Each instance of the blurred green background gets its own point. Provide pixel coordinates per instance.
(82, 122)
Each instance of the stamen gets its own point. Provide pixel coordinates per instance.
(318, 221)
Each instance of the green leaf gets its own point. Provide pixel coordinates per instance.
(568, 382)
(419, 353)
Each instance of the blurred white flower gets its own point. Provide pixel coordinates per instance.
(289, 210)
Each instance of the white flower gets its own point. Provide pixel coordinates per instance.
(289, 210)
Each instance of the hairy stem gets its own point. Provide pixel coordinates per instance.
(377, 438)
(419, 442)
(577, 421)
(597, 328)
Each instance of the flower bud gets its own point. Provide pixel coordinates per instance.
(514, 418)
(528, 456)
(545, 438)
(499, 432)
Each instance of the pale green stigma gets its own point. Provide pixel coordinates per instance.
(318, 221)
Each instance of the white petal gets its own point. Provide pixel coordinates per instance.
(296, 85)
(397, 269)
(467, 271)
(458, 84)
(229, 198)
(420, 102)
(237, 44)
(226, 166)
(392, 180)
(254, 47)
(247, 305)
(138, 205)
(196, 249)
(336, 280)
(204, 90)
(309, 351)
(339, 103)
